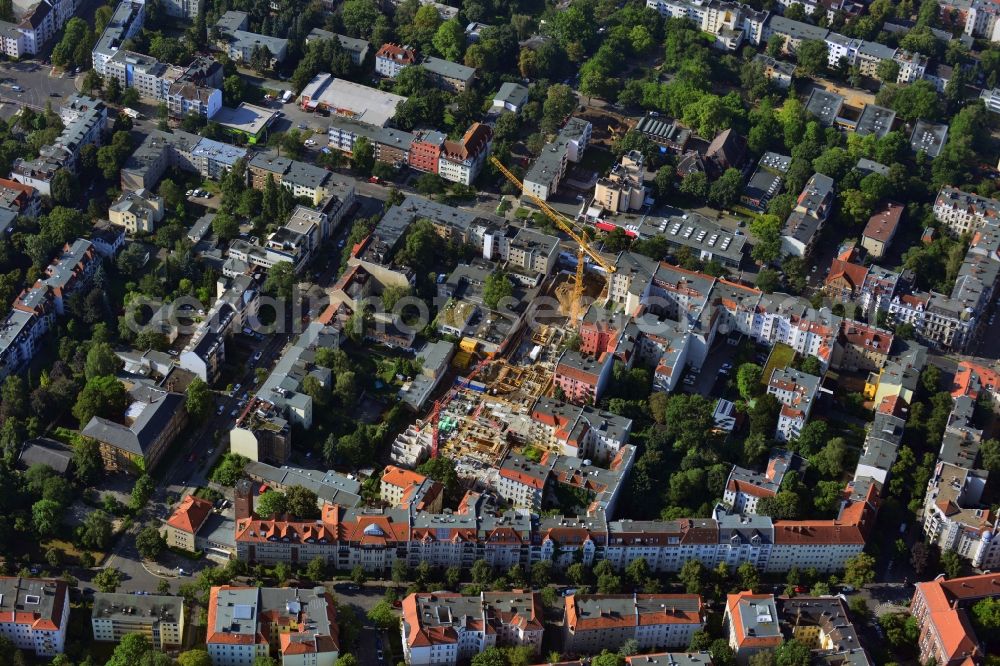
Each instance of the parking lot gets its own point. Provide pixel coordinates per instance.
(38, 84)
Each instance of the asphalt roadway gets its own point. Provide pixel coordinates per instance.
(40, 84)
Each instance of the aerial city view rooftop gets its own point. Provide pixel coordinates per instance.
(500, 333)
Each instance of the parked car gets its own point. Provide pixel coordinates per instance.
(256, 357)
(375, 179)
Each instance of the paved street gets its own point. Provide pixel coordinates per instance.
(40, 86)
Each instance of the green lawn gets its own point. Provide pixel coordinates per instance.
(781, 357)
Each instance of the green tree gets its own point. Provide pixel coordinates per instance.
(302, 502)
(608, 659)
(748, 576)
(811, 56)
(888, 71)
(693, 575)
(443, 471)
(316, 569)
(363, 156)
(492, 656)
(560, 101)
(271, 503)
(695, 184)
(748, 377)
(108, 580)
(194, 658)
(96, 531)
(101, 361)
(198, 399)
(150, 543)
(101, 396)
(382, 616)
(46, 516)
(951, 564)
(725, 191)
(792, 653)
(859, 570)
(497, 287)
(280, 280)
(449, 40)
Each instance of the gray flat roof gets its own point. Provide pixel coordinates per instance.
(245, 118)
(448, 69)
(928, 137)
(875, 120)
(825, 105)
(130, 607)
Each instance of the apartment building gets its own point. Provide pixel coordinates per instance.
(522, 482)
(392, 146)
(579, 431)
(605, 621)
(126, 22)
(863, 54)
(447, 75)
(941, 608)
(446, 628)
(19, 199)
(158, 152)
(745, 488)
(297, 626)
(861, 347)
(182, 8)
(583, 379)
(34, 614)
(951, 321)
(549, 168)
(303, 179)
(955, 515)
(84, 120)
(234, 308)
(391, 59)
(263, 431)
(357, 48)
(731, 23)
(622, 189)
(812, 208)
(777, 72)
(963, 212)
(160, 619)
(881, 228)
(446, 539)
(151, 423)
(975, 380)
(236, 41)
(461, 161)
(825, 627)
(138, 212)
(403, 487)
(35, 310)
(797, 392)
(36, 27)
(751, 622)
(181, 528)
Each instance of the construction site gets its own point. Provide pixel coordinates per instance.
(486, 411)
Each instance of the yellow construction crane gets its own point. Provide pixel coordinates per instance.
(567, 226)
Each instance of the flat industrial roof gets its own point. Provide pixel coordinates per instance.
(245, 118)
(346, 98)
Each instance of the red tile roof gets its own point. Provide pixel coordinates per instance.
(883, 224)
(190, 515)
